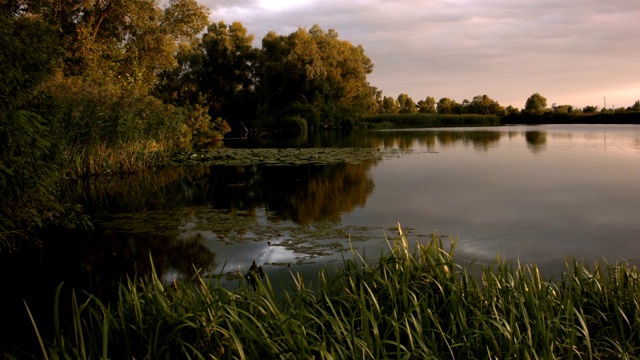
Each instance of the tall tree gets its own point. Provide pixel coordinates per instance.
(227, 71)
(535, 104)
(315, 76)
(389, 105)
(484, 105)
(407, 105)
(133, 40)
(446, 106)
(427, 106)
(511, 111)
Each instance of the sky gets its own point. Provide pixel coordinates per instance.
(571, 52)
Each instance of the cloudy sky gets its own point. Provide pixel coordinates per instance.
(571, 52)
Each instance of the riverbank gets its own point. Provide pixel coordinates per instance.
(553, 118)
(419, 120)
(414, 302)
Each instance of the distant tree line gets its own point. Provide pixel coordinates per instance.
(536, 104)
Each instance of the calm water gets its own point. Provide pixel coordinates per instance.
(538, 194)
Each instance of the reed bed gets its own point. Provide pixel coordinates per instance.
(419, 120)
(413, 303)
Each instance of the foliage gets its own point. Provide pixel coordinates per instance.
(388, 105)
(29, 173)
(411, 304)
(105, 127)
(448, 106)
(482, 104)
(128, 39)
(314, 75)
(29, 158)
(223, 66)
(75, 91)
(427, 106)
(590, 109)
(535, 104)
(407, 105)
(510, 110)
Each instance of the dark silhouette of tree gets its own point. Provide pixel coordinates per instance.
(535, 104)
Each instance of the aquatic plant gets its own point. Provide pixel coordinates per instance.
(420, 120)
(414, 302)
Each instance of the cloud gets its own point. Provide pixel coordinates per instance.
(571, 53)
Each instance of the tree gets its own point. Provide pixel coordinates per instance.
(30, 162)
(535, 104)
(510, 111)
(484, 105)
(75, 90)
(589, 109)
(226, 74)
(446, 106)
(463, 108)
(407, 105)
(635, 107)
(131, 40)
(389, 105)
(563, 109)
(427, 106)
(314, 75)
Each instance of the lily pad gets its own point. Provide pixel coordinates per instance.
(286, 156)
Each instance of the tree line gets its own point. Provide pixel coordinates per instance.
(536, 104)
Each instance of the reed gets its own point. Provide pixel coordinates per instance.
(414, 302)
(109, 127)
(419, 120)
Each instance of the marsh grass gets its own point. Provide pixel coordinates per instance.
(419, 120)
(106, 127)
(411, 304)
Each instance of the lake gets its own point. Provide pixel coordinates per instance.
(536, 193)
(539, 194)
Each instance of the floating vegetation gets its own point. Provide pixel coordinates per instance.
(290, 156)
(220, 228)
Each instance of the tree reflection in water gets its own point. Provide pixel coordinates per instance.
(536, 140)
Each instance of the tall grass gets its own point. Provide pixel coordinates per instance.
(412, 303)
(419, 120)
(111, 127)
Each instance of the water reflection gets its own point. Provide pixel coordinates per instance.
(303, 194)
(183, 215)
(536, 140)
(481, 140)
(404, 139)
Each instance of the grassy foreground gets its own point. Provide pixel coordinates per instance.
(411, 304)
